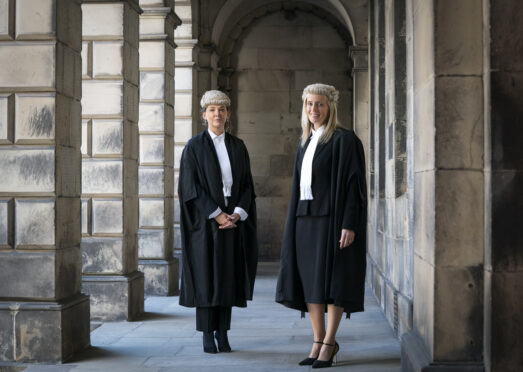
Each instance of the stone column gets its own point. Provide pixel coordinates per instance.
(110, 159)
(360, 94)
(449, 195)
(156, 172)
(503, 268)
(44, 318)
(186, 102)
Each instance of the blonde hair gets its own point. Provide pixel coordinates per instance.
(332, 96)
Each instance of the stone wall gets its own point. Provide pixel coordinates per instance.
(40, 162)
(503, 184)
(390, 268)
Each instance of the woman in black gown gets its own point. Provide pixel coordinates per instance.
(323, 263)
(218, 224)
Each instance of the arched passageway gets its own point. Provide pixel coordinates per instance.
(439, 118)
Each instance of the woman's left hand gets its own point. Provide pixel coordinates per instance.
(231, 221)
(347, 238)
(233, 217)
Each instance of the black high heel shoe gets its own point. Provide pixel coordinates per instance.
(223, 341)
(208, 343)
(327, 363)
(308, 361)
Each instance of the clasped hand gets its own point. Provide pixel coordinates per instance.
(227, 221)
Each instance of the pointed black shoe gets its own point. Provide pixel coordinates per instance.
(223, 341)
(309, 361)
(208, 343)
(327, 363)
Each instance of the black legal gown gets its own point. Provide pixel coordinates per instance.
(340, 199)
(218, 266)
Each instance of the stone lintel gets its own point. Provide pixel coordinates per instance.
(184, 64)
(26, 329)
(159, 37)
(132, 3)
(161, 276)
(416, 358)
(188, 43)
(115, 297)
(166, 12)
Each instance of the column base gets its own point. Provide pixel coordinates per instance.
(161, 276)
(416, 358)
(115, 297)
(44, 332)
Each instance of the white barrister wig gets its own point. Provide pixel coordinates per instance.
(214, 97)
(326, 90)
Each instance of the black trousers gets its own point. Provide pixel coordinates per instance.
(216, 318)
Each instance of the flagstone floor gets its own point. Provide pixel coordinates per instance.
(265, 336)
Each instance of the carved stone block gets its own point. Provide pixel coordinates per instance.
(107, 216)
(102, 255)
(102, 20)
(151, 149)
(150, 180)
(102, 176)
(151, 117)
(35, 222)
(151, 212)
(107, 59)
(107, 137)
(151, 243)
(102, 98)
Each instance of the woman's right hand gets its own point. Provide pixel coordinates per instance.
(224, 221)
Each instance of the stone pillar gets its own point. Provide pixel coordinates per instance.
(503, 184)
(110, 159)
(44, 318)
(156, 172)
(449, 195)
(360, 94)
(186, 104)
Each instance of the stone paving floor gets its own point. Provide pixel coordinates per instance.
(265, 336)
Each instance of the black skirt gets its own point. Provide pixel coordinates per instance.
(312, 258)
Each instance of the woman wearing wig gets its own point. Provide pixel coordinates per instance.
(218, 224)
(322, 268)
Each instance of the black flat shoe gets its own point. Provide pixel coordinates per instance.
(223, 341)
(208, 343)
(309, 361)
(327, 363)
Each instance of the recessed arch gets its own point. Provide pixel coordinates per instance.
(239, 7)
(235, 31)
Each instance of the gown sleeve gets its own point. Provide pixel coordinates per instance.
(355, 186)
(351, 211)
(247, 193)
(189, 189)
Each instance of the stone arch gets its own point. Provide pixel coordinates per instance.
(336, 10)
(226, 38)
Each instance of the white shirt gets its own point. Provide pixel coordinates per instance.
(306, 165)
(225, 167)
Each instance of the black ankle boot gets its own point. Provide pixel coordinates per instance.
(223, 341)
(208, 343)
